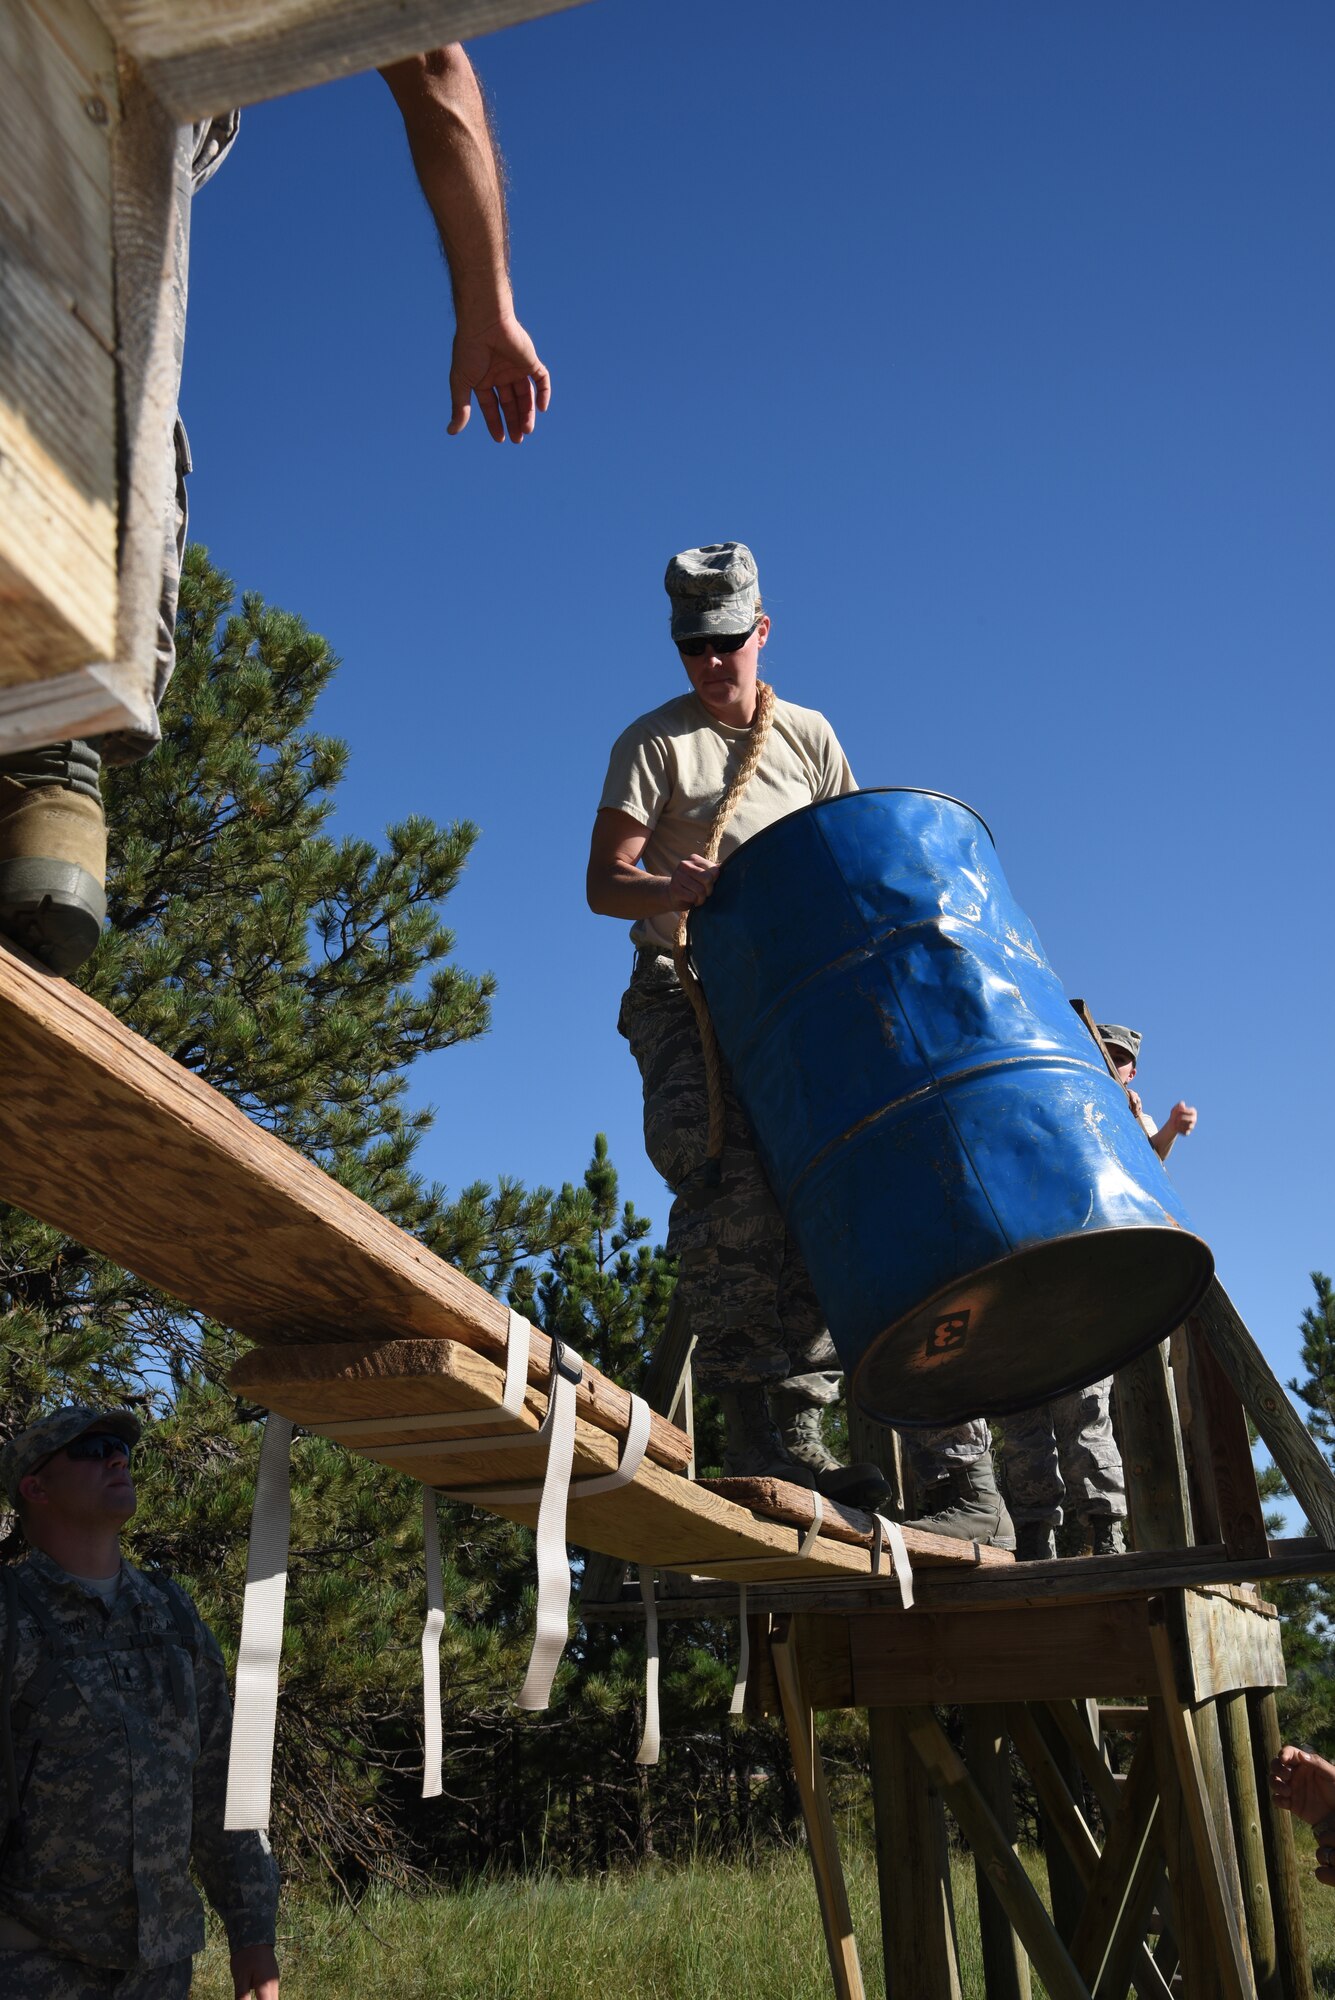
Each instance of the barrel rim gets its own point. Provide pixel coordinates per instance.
(863, 791)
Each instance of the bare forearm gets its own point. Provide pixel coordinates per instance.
(445, 118)
(624, 890)
(1162, 1141)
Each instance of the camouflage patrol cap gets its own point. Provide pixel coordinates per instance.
(31, 1448)
(1121, 1038)
(713, 589)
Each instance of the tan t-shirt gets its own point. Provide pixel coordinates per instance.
(671, 767)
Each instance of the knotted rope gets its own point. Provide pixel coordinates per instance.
(746, 770)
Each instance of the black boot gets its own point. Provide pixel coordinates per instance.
(798, 1420)
(752, 1447)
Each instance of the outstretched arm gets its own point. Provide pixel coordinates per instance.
(445, 118)
(1180, 1120)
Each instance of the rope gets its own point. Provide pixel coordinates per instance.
(746, 770)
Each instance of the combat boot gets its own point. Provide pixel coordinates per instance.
(966, 1504)
(752, 1447)
(53, 854)
(1035, 1542)
(799, 1425)
(1105, 1536)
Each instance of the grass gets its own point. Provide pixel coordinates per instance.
(702, 1932)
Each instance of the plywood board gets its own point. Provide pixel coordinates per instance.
(1222, 1643)
(1047, 1654)
(203, 56)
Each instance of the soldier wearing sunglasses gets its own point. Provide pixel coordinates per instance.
(115, 1726)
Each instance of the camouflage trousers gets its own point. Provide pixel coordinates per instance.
(934, 1449)
(1064, 1450)
(43, 1975)
(746, 1292)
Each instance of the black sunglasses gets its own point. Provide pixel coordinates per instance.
(97, 1444)
(714, 642)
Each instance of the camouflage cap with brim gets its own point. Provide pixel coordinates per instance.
(1121, 1038)
(31, 1448)
(714, 589)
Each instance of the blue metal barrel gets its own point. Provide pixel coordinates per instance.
(983, 1219)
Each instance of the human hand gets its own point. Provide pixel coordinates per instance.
(1133, 1099)
(255, 1970)
(1181, 1119)
(498, 364)
(692, 882)
(1303, 1784)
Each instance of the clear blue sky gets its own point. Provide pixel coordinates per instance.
(1002, 335)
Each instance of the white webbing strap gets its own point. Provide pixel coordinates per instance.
(889, 1535)
(432, 1734)
(738, 1702)
(553, 1621)
(649, 1742)
(808, 1541)
(250, 1760)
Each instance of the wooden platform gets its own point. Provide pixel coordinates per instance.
(661, 1518)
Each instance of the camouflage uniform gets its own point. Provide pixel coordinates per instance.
(748, 1297)
(121, 1725)
(934, 1448)
(1064, 1449)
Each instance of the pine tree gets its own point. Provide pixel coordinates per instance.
(1307, 1605)
(302, 976)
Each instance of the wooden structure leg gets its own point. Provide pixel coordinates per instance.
(831, 1891)
(1240, 1771)
(912, 1866)
(1109, 1939)
(1012, 1886)
(1177, 1734)
(1295, 1965)
(987, 1753)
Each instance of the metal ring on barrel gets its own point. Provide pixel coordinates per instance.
(983, 1219)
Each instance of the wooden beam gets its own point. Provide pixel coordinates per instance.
(1117, 1903)
(1295, 1963)
(1240, 1769)
(1062, 1816)
(978, 1822)
(1286, 1436)
(1151, 1441)
(987, 1754)
(1025, 1655)
(204, 56)
(1219, 1646)
(1239, 1507)
(1231, 1955)
(822, 1841)
(912, 1868)
(59, 111)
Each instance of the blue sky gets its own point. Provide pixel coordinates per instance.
(1002, 336)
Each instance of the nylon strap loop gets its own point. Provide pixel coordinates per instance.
(808, 1542)
(432, 1731)
(553, 1623)
(889, 1534)
(649, 1742)
(737, 1705)
(250, 1762)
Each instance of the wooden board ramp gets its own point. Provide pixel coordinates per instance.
(748, 1534)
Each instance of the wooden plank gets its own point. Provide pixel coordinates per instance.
(987, 1755)
(87, 701)
(1117, 1898)
(1063, 1819)
(1087, 1580)
(203, 56)
(1072, 1723)
(1240, 1770)
(1295, 1964)
(1219, 1646)
(1027, 1655)
(1190, 1943)
(1286, 1436)
(912, 1867)
(822, 1841)
(658, 1519)
(1231, 1954)
(667, 1382)
(1014, 1890)
(1151, 1444)
(58, 487)
(1239, 1507)
(780, 1500)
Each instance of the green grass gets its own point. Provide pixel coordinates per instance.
(704, 1932)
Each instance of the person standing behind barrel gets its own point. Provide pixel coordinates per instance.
(727, 751)
(1065, 1448)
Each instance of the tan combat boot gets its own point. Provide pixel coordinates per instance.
(53, 854)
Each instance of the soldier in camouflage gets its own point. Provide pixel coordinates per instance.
(762, 1346)
(1063, 1455)
(116, 1726)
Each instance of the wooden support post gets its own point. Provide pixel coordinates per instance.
(822, 1843)
(1234, 1972)
(1072, 1719)
(1240, 1513)
(1240, 1771)
(1295, 1965)
(1066, 1826)
(1109, 1939)
(1190, 1944)
(1067, 1877)
(987, 1753)
(1156, 1475)
(1015, 1892)
(1195, 1436)
(912, 1867)
(1285, 1434)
